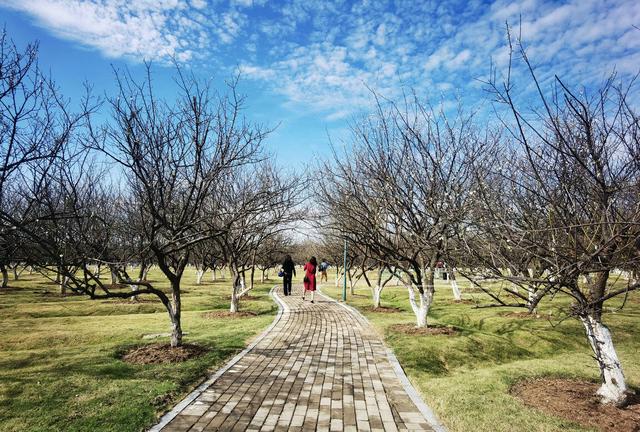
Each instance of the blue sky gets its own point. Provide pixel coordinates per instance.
(307, 64)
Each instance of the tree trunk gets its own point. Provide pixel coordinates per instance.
(614, 389)
(15, 272)
(425, 296)
(63, 285)
(377, 291)
(114, 276)
(454, 284)
(352, 290)
(237, 286)
(420, 310)
(214, 277)
(5, 276)
(262, 276)
(175, 314)
(199, 276)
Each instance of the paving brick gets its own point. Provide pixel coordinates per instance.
(320, 368)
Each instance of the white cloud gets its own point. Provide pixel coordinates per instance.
(145, 29)
(321, 55)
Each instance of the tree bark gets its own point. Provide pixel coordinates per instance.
(237, 286)
(175, 314)
(454, 284)
(425, 295)
(420, 310)
(614, 389)
(114, 276)
(5, 276)
(199, 276)
(377, 291)
(63, 285)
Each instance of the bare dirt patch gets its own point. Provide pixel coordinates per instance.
(162, 353)
(133, 302)
(463, 301)
(59, 294)
(526, 315)
(576, 401)
(227, 314)
(382, 309)
(410, 329)
(246, 297)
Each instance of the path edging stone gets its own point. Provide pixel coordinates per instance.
(397, 367)
(167, 417)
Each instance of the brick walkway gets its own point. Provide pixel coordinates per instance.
(321, 367)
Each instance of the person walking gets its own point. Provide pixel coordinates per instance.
(288, 271)
(309, 280)
(324, 265)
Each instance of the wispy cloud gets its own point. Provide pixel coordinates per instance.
(146, 29)
(322, 56)
(437, 47)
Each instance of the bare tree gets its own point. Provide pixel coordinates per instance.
(570, 214)
(258, 205)
(402, 190)
(35, 123)
(173, 157)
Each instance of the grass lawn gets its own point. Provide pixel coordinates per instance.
(466, 378)
(59, 357)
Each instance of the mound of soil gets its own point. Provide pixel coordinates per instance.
(463, 301)
(162, 353)
(133, 302)
(227, 314)
(577, 401)
(59, 294)
(526, 315)
(410, 329)
(383, 309)
(245, 297)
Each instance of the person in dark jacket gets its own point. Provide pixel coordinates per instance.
(288, 270)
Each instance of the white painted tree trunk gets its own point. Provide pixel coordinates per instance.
(63, 285)
(457, 296)
(238, 287)
(614, 389)
(199, 275)
(420, 310)
(377, 291)
(134, 288)
(214, 277)
(176, 331)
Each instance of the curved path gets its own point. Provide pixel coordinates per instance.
(318, 367)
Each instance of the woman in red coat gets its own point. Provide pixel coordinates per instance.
(309, 280)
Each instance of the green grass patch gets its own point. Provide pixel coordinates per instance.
(466, 377)
(60, 367)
